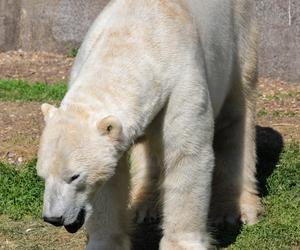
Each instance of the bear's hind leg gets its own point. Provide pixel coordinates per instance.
(145, 172)
(250, 205)
(234, 192)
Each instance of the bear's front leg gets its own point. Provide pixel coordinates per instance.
(108, 226)
(189, 162)
(186, 199)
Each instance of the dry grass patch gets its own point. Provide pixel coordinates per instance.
(278, 106)
(31, 234)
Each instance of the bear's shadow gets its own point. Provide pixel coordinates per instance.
(269, 144)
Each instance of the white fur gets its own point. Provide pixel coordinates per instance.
(179, 72)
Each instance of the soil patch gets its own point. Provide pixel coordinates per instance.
(21, 125)
(278, 106)
(35, 66)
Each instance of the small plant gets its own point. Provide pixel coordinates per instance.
(72, 52)
(262, 112)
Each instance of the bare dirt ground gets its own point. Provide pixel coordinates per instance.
(21, 125)
(278, 103)
(278, 106)
(35, 66)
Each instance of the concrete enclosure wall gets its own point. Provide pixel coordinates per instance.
(279, 29)
(59, 25)
(46, 25)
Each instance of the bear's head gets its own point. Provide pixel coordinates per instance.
(76, 157)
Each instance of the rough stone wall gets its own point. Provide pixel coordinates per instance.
(46, 25)
(59, 25)
(279, 29)
(9, 19)
(56, 25)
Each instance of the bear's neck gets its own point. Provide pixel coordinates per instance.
(135, 111)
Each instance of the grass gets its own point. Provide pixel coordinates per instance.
(277, 113)
(281, 95)
(262, 112)
(20, 191)
(72, 52)
(34, 234)
(16, 90)
(279, 227)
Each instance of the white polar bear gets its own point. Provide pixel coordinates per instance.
(177, 78)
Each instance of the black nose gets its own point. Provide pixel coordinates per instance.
(56, 221)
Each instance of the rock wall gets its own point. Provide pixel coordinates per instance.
(59, 25)
(279, 29)
(9, 20)
(46, 25)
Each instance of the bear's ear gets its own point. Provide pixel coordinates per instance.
(110, 126)
(47, 110)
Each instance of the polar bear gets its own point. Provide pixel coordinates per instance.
(174, 80)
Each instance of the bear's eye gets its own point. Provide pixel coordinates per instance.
(74, 177)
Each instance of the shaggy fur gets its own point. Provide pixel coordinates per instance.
(176, 78)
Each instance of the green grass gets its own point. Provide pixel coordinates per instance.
(281, 113)
(277, 113)
(72, 52)
(278, 228)
(262, 112)
(15, 90)
(280, 96)
(20, 191)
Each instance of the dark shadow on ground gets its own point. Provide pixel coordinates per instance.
(268, 148)
(269, 144)
(147, 237)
